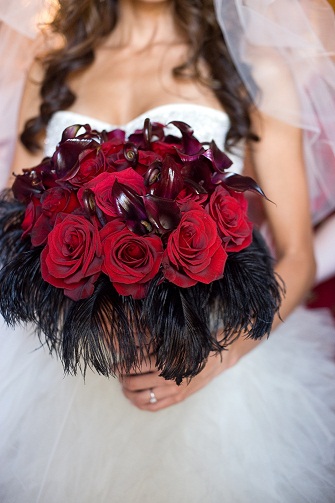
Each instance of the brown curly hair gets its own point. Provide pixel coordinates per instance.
(84, 25)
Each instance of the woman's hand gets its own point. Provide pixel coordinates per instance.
(145, 383)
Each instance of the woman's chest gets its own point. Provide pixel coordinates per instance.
(121, 85)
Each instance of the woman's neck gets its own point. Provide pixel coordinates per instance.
(144, 23)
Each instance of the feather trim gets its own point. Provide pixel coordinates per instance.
(111, 333)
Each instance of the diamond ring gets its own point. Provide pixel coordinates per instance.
(152, 398)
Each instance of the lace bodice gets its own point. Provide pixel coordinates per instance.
(207, 123)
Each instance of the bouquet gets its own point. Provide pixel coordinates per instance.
(117, 246)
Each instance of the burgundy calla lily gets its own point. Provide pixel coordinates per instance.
(66, 156)
(239, 183)
(191, 146)
(129, 205)
(34, 181)
(219, 159)
(71, 132)
(190, 157)
(169, 181)
(164, 214)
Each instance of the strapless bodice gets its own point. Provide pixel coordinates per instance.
(208, 123)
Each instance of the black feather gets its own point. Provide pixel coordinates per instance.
(178, 322)
(101, 332)
(111, 333)
(249, 295)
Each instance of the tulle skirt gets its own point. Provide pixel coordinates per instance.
(261, 432)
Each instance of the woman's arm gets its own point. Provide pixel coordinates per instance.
(279, 168)
(280, 171)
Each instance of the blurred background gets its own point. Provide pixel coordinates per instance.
(324, 294)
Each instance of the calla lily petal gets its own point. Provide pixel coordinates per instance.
(237, 182)
(219, 159)
(191, 146)
(128, 203)
(183, 127)
(198, 189)
(66, 156)
(153, 173)
(70, 132)
(130, 152)
(170, 182)
(164, 214)
(190, 157)
(34, 181)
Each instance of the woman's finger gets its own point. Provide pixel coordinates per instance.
(152, 398)
(138, 382)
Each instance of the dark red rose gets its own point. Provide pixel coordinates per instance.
(229, 210)
(191, 193)
(72, 258)
(164, 148)
(32, 213)
(53, 201)
(112, 148)
(34, 181)
(119, 156)
(130, 261)
(90, 164)
(102, 186)
(116, 137)
(194, 251)
(146, 158)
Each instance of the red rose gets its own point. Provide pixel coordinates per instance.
(116, 137)
(72, 257)
(90, 164)
(53, 202)
(194, 251)
(190, 193)
(146, 158)
(32, 213)
(229, 210)
(102, 187)
(164, 148)
(130, 261)
(113, 148)
(119, 156)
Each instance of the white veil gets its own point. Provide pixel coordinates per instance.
(285, 52)
(286, 47)
(23, 16)
(19, 23)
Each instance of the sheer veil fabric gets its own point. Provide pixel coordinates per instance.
(24, 16)
(19, 23)
(262, 431)
(284, 51)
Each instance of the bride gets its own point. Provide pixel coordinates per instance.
(256, 424)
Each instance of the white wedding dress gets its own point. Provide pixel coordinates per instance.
(261, 432)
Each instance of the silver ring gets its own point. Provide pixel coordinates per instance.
(152, 398)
